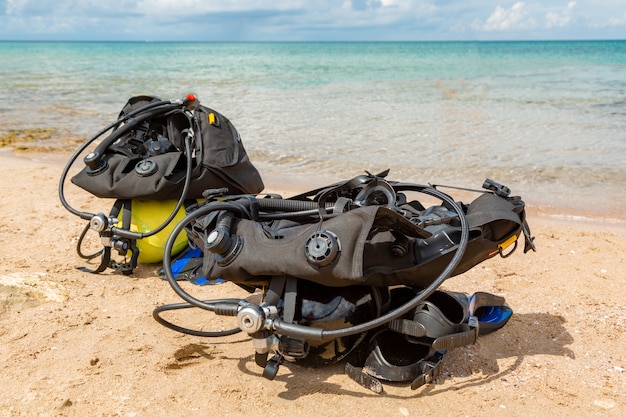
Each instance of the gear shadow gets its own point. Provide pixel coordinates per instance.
(524, 335)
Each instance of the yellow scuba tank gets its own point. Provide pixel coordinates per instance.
(147, 215)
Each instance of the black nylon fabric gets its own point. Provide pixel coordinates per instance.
(366, 236)
(220, 159)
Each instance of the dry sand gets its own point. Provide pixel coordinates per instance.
(75, 344)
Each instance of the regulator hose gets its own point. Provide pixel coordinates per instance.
(146, 112)
(181, 306)
(170, 105)
(309, 333)
(167, 254)
(134, 235)
(291, 208)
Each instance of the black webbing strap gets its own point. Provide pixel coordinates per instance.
(285, 287)
(127, 267)
(275, 290)
(105, 259)
(291, 293)
(430, 369)
(279, 287)
(126, 207)
(363, 379)
(466, 337)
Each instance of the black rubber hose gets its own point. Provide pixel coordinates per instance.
(156, 313)
(310, 333)
(134, 235)
(169, 244)
(289, 209)
(79, 244)
(130, 125)
(279, 204)
(88, 142)
(295, 330)
(224, 222)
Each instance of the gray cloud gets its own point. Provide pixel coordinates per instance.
(305, 20)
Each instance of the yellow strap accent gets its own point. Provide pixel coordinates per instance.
(507, 242)
(213, 120)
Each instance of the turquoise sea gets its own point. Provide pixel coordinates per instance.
(548, 119)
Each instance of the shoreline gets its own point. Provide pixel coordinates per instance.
(295, 183)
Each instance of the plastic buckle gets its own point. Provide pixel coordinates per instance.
(430, 368)
(497, 188)
(271, 367)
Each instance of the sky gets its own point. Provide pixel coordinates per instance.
(311, 20)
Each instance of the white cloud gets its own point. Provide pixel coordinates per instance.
(17, 7)
(616, 21)
(561, 19)
(195, 7)
(502, 19)
(308, 20)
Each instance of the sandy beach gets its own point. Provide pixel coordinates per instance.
(76, 344)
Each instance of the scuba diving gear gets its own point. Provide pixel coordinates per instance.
(157, 151)
(351, 270)
(490, 310)
(188, 266)
(146, 215)
(411, 349)
(373, 245)
(144, 157)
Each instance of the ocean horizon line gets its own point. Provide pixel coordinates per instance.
(485, 41)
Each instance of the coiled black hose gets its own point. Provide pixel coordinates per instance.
(304, 332)
(163, 106)
(143, 113)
